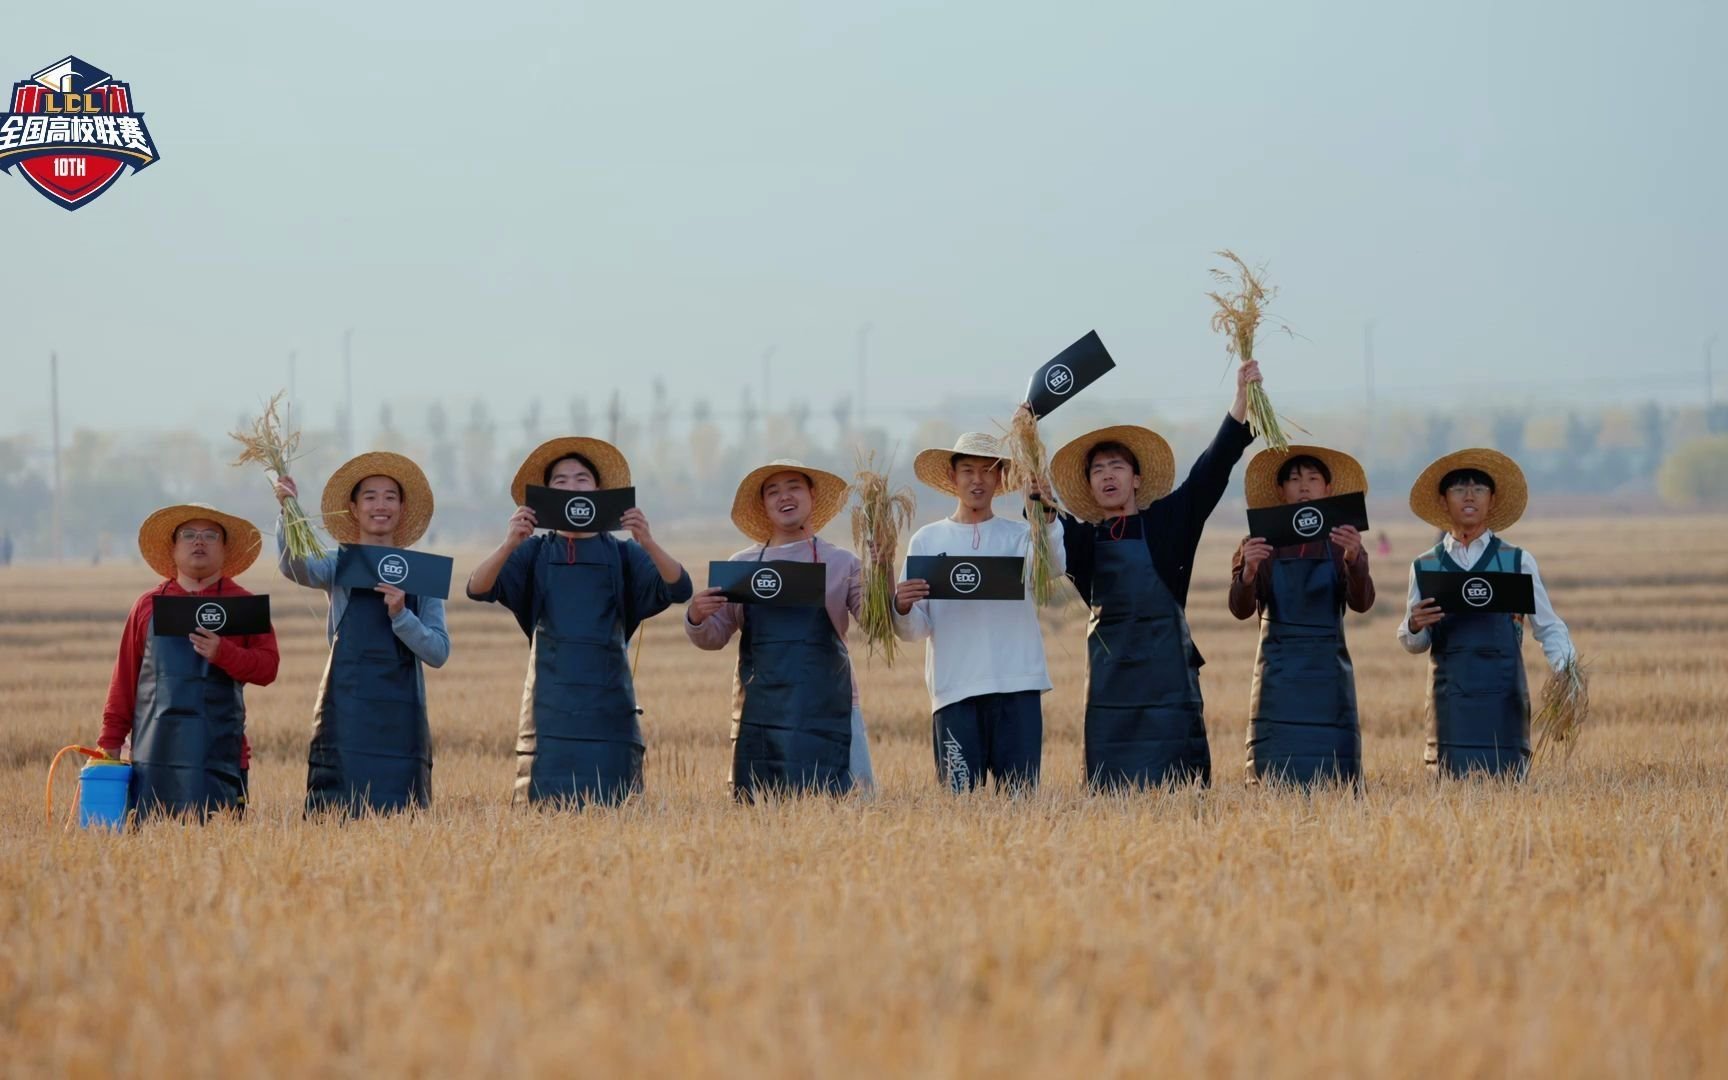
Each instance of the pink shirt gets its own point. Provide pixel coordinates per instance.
(845, 595)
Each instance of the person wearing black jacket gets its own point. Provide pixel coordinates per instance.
(1130, 542)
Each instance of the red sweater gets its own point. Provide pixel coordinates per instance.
(250, 658)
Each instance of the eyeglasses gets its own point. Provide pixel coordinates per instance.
(1469, 489)
(190, 536)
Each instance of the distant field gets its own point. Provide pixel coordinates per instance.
(1571, 926)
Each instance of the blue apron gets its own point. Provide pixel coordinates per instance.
(371, 743)
(580, 740)
(1145, 720)
(1303, 725)
(187, 731)
(793, 732)
(1478, 696)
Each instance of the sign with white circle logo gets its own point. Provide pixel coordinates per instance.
(211, 617)
(1308, 521)
(965, 577)
(1477, 592)
(1059, 380)
(766, 583)
(579, 511)
(392, 569)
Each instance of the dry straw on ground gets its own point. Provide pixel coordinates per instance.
(880, 515)
(1571, 926)
(274, 444)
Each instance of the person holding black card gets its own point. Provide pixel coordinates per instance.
(984, 659)
(1478, 697)
(371, 739)
(179, 701)
(796, 722)
(1130, 547)
(1302, 725)
(579, 597)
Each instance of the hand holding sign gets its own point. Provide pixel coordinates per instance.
(205, 643)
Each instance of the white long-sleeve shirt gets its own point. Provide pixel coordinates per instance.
(1544, 623)
(975, 647)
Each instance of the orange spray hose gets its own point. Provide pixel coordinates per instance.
(95, 755)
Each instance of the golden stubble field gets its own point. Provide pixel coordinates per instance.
(1571, 926)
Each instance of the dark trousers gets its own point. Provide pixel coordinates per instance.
(1001, 735)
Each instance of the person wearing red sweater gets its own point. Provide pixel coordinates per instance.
(178, 701)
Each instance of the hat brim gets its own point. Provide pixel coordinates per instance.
(1260, 480)
(417, 502)
(156, 538)
(1511, 491)
(613, 467)
(1074, 487)
(828, 494)
(934, 467)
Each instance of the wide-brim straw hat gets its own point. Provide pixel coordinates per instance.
(1074, 487)
(932, 466)
(607, 459)
(416, 496)
(1260, 483)
(156, 538)
(827, 498)
(1511, 492)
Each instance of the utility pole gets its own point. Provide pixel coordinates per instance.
(863, 369)
(768, 378)
(348, 378)
(1709, 374)
(54, 412)
(1368, 384)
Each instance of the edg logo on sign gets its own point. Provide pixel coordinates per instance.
(765, 583)
(1477, 592)
(579, 511)
(211, 617)
(1307, 521)
(392, 569)
(965, 577)
(1059, 380)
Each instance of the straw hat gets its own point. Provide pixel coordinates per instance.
(1073, 485)
(416, 496)
(608, 459)
(827, 498)
(932, 466)
(1511, 493)
(1260, 483)
(156, 538)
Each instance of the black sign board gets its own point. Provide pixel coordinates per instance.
(970, 577)
(1297, 523)
(780, 583)
(226, 616)
(580, 511)
(362, 566)
(1074, 369)
(1461, 593)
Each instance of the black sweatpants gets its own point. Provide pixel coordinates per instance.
(1001, 735)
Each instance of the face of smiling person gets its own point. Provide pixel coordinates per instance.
(976, 480)
(199, 549)
(571, 475)
(786, 496)
(377, 508)
(1467, 504)
(1304, 484)
(1113, 482)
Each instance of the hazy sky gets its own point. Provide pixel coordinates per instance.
(547, 198)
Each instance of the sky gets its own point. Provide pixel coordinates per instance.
(548, 199)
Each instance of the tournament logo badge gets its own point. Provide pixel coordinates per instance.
(580, 511)
(965, 577)
(72, 131)
(1477, 592)
(765, 583)
(392, 569)
(1059, 379)
(1307, 521)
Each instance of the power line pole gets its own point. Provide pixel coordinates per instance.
(863, 370)
(54, 411)
(1368, 384)
(1709, 374)
(768, 378)
(348, 378)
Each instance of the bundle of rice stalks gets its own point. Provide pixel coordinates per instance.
(1238, 319)
(1564, 709)
(272, 444)
(1027, 461)
(878, 519)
